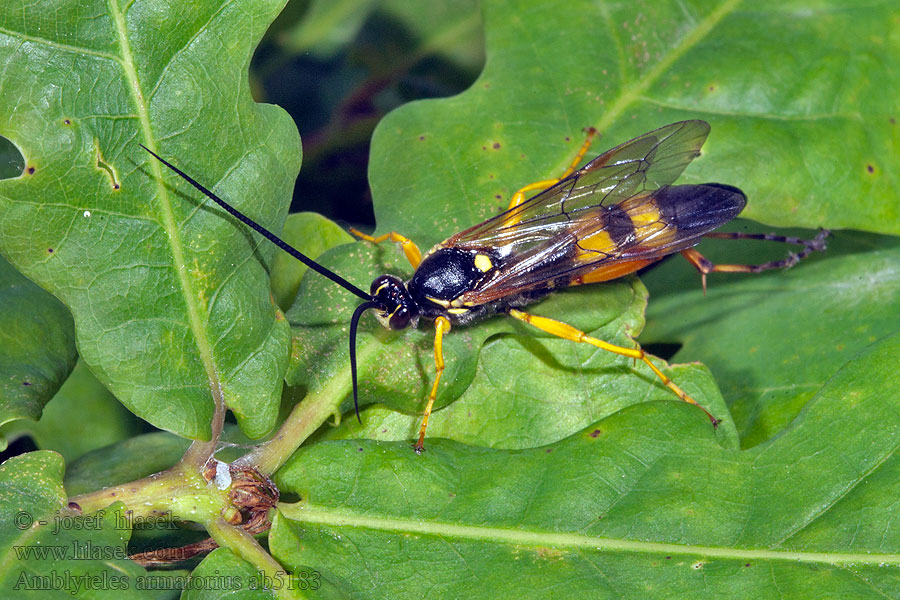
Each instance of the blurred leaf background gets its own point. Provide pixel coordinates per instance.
(337, 68)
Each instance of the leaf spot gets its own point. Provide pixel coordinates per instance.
(106, 167)
(50, 250)
(26, 383)
(67, 122)
(30, 170)
(595, 433)
(870, 168)
(697, 565)
(496, 145)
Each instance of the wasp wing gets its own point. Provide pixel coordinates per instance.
(644, 164)
(637, 231)
(617, 208)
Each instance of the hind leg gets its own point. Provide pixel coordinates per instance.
(706, 266)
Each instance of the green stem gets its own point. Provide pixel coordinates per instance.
(305, 419)
(246, 547)
(180, 492)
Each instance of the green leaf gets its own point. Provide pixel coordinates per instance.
(514, 402)
(772, 340)
(37, 346)
(51, 554)
(797, 138)
(243, 579)
(636, 73)
(169, 295)
(645, 503)
(530, 389)
(312, 234)
(82, 405)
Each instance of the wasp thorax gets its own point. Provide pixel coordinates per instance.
(447, 273)
(396, 307)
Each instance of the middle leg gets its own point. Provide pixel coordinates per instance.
(519, 196)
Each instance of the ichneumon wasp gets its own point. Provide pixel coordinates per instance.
(613, 216)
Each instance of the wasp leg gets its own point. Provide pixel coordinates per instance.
(705, 266)
(519, 196)
(413, 255)
(566, 331)
(441, 326)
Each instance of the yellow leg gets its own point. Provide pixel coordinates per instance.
(565, 331)
(441, 326)
(413, 255)
(519, 196)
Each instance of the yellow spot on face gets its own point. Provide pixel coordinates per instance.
(457, 311)
(483, 263)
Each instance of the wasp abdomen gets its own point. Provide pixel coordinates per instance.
(699, 207)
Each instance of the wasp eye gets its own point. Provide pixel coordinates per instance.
(399, 319)
(382, 284)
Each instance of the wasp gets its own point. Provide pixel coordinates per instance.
(613, 216)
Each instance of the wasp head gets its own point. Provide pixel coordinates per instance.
(395, 307)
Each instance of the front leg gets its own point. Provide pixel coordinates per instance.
(412, 252)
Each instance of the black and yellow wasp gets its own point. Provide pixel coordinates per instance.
(613, 216)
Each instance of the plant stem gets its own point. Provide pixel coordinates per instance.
(246, 547)
(180, 491)
(306, 417)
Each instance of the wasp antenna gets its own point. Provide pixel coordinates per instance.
(354, 323)
(263, 231)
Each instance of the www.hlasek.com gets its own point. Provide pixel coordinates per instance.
(77, 550)
(75, 583)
